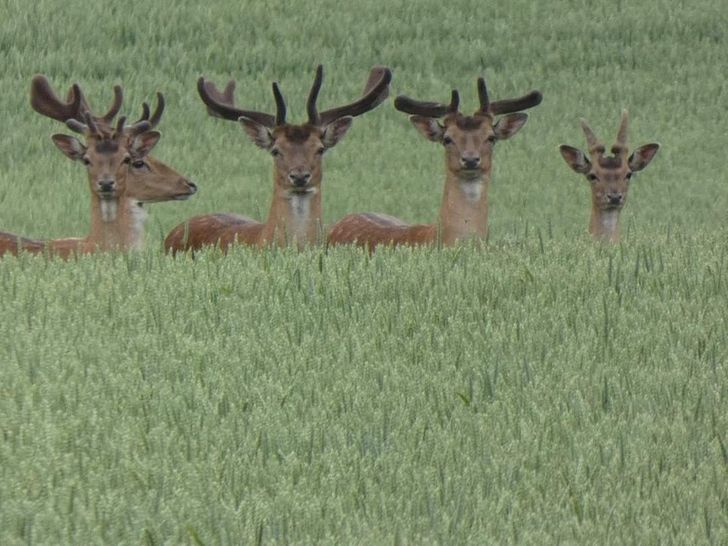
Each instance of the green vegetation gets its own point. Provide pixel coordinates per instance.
(542, 390)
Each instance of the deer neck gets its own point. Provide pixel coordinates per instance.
(294, 218)
(604, 224)
(116, 224)
(464, 210)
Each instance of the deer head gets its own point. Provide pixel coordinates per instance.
(297, 150)
(468, 140)
(106, 153)
(608, 176)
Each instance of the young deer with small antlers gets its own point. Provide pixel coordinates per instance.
(120, 189)
(609, 177)
(297, 150)
(468, 143)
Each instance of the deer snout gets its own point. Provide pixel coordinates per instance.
(191, 186)
(470, 162)
(106, 185)
(299, 179)
(615, 198)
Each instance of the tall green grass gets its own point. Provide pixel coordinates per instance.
(542, 390)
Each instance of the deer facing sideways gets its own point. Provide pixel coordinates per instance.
(297, 150)
(608, 176)
(468, 143)
(143, 178)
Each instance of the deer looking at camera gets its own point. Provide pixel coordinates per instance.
(468, 143)
(147, 180)
(608, 176)
(297, 150)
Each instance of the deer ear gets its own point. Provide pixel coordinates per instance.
(143, 144)
(335, 131)
(258, 133)
(642, 156)
(429, 127)
(70, 146)
(575, 159)
(509, 125)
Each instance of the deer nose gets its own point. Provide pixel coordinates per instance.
(615, 198)
(470, 162)
(106, 186)
(192, 186)
(299, 179)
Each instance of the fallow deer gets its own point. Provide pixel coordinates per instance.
(116, 158)
(468, 143)
(608, 176)
(297, 150)
(149, 180)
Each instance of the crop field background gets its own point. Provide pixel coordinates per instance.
(543, 389)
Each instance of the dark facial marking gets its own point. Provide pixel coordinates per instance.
(106, 146)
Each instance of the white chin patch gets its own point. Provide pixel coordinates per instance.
(609, 220)
(108, 210)
(472, 189)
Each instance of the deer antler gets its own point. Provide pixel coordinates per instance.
(115, 106)
(596, 148)
(222, 104)
(428, 109)
(90, 128)
(157, 116)
(438, 110)
(507, 106)
(374, 95)
(44, 100)
(620, 146)
(226, 96)
(108, 117)
(483, 97)
(313, 115)
(280, 105)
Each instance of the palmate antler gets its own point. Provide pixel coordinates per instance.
(76, 113)
(438, 110)
(44, 100)
(221, 103)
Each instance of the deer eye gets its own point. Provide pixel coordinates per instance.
(592, 177)
(446, 140)
(320, 151)
(492, 139)
(127, 160)
(629, 175)
(138, 164)
(275, 152)
(86, 160)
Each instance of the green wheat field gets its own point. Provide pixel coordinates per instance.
(543, 389)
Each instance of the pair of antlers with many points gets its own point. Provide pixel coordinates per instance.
(222, 104)
(438, 109)
(76, 113)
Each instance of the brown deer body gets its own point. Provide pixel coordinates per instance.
(295, 212)
(609, 177)
(116, 219)
(468, 143)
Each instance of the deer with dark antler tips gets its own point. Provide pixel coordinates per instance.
(121, 173)
(468, 142)
(608, 176)
(297, 150)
